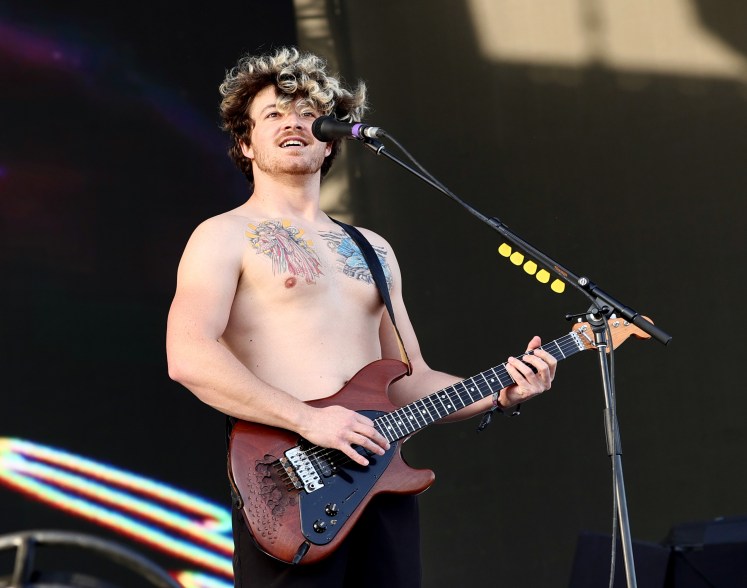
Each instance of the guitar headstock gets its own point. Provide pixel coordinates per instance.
(620, 330)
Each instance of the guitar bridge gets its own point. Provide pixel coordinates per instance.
(290, 473)
(301, 470)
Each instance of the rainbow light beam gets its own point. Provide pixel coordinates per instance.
(190, 579)
(147, 511)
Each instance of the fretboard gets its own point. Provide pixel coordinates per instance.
(421, 413)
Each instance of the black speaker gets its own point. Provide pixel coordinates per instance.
(706, 554)
(591, 563)
(702, 554)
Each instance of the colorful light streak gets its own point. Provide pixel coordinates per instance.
(196, 580)
(147, 511)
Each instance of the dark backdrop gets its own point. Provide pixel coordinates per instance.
(630, 178)
(111, 155)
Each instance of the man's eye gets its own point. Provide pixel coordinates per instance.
(308, 113)
(272, 114)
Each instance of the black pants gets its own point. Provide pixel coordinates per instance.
(382, 550)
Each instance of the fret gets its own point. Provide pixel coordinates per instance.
(559, 349)
(424, 419)
(389, 423)
(483, 386)
(440, 404)
(402, 422)
(500, 380)
(490, 388)
(424, 412)
(430, 409)
(458, 395)
(413, 418)
(492, 380)
(384, 429)
(472, 399)
(452, 396)
(436, 408)
(389, 435)
(398, 423)
(437, 396)
(472, 390)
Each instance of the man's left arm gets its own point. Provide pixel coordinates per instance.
(532, 375)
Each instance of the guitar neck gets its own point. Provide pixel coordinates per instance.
(419, 414)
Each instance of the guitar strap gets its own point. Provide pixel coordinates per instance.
(377, 272)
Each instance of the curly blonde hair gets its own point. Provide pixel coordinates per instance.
(297, 76)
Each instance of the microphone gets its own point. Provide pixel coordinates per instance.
(328, 128)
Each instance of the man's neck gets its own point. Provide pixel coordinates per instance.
(287, 195)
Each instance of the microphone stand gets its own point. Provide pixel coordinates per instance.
(602, 306)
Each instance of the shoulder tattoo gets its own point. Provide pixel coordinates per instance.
(350, 260)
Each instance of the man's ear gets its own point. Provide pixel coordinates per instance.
(247, 150)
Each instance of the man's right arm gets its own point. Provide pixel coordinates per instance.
(208, 275)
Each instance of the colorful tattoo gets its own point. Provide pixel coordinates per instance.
(285, 246)
(351, 261)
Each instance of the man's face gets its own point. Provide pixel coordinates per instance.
(281, 141)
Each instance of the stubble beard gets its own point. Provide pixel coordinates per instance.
(297, 166)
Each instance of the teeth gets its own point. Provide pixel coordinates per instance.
(292, 144)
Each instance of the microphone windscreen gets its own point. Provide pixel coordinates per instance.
(320, 128)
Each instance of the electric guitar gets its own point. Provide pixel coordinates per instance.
(300, 500)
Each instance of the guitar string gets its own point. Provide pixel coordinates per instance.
(406, 427)
(451, 393)
(566, 345)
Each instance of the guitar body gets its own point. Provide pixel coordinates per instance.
(304, 521)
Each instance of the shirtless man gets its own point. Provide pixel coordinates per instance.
(265, 316)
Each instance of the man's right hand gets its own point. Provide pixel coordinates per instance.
(339, 428)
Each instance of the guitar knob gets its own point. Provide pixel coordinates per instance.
(331, 510)
(319, 526)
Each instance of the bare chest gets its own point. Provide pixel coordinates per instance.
(288, 268)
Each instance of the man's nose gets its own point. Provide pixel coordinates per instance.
(294, 120)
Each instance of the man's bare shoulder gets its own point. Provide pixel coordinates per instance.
(380, 244)
(217, 241)
(375, 239)
(219, 231)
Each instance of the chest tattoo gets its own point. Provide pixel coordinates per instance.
(287, 249)
(350, 260)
